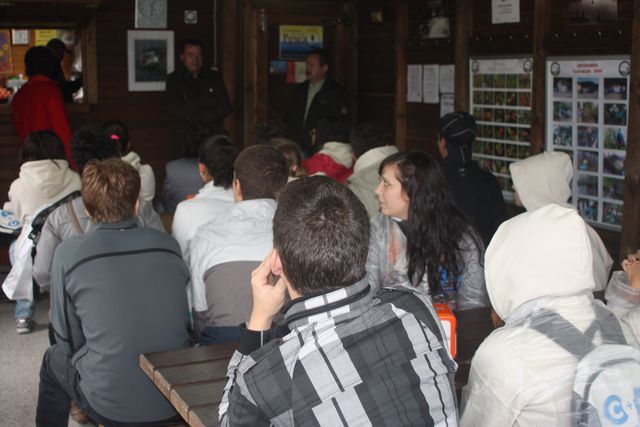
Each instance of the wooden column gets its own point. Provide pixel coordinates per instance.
(630, 235)
(462, 35)
(250, 72)
(400, 54)
(541, 26)
(229, 54)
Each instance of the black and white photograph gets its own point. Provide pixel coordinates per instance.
(150, 59)
(593, 11)
(435, 22)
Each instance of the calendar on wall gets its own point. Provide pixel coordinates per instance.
(500, 91)
(587, 117)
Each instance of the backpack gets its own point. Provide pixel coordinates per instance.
(606, 388)
(40, 219)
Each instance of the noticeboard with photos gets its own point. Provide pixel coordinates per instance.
(587, 117)
(501, 103)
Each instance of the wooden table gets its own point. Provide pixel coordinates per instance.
(192, 379)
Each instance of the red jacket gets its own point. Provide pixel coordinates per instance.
(38, 105)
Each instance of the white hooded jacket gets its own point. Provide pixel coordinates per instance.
(147, 178)
(40, 183)
(537, 267)
(546, 178)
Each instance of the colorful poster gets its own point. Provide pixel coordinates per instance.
(587, 117)
(501, 104)
(6, 66)
(297, 40)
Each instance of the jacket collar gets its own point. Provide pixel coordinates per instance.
(322, 306)
(125, 224)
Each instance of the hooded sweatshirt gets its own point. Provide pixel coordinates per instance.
(335, 160)
(365, 176)
(147, 178)
(40, 183)
(546, 178)
(537, 268)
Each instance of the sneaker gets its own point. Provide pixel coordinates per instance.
(24, 326)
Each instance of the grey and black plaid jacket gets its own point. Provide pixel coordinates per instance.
(352, 357)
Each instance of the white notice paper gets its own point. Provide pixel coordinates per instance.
(447, 73)
(505, 11)
(446, 104)
(430, 84)
(414, 83)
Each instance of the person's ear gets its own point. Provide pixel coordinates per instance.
(442, 147)
(237, 191)
(276, 263)
(136, 208)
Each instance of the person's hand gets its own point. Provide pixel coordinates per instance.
(631, 266)
(268, 294)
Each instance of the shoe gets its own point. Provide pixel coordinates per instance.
(24, 326)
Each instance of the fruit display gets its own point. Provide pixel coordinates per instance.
(5, 94)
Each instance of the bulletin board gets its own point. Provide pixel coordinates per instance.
(587, 117)
(500, 91)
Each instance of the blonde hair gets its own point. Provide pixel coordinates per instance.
(110, 190)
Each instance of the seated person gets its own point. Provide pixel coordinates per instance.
(623, 297)
(293, 154)
(225, 250)
(216, 169)
(546, 178)
(182, 177)
(421, 239)
(119, 134)
(118, 291)
(353, 357)
(335, 158)
(369, 150)
(540, 280)
(71, 219)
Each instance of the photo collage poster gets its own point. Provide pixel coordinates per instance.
(501, 103)
(587, 117)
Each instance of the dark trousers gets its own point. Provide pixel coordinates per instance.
(219, 335)
(59, 385)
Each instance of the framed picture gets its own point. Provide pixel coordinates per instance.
(19, 37)
(150, 59)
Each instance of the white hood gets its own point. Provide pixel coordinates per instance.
(340, 152)
(375, 156)
(542, 179)
(541, 253)
(133, 159)
(47, 178)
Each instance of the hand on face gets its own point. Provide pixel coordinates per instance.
(631, 266)
(268, 292)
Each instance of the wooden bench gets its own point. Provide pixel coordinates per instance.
(192, 379)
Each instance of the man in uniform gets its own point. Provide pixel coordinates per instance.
(196, 96)
(318, 97)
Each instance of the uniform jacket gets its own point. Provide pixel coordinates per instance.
(330, 102)
(147, 178)
(335, 160)
(365, 177)
(190, 214)
(117, 292)
(546, 178)
(41, 182)
(537, 266)
(38, 105)
(387, 264)
(352, 358)
(60, 226)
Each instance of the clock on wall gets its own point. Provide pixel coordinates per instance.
(151, 13)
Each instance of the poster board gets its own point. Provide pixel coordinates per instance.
(587, 118)
(295, 41)
(500, 91)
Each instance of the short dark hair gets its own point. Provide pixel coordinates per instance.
(194, 137)
(89, 143)
(118, 133)
(42, 145)
(110, 190)
(217, 155)
(365, 137)
(323, 58)
(321, 232)
(39, 61)
(262, 171)
(192, 41)
(331, 129)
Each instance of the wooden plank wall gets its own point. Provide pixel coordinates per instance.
(145, 113)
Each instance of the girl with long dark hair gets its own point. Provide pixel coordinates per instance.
(420, 238)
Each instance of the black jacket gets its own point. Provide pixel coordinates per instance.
(331, 101)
